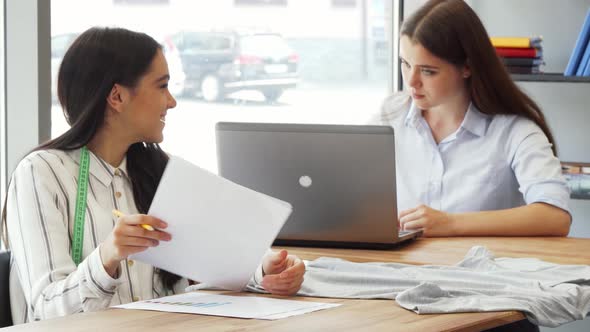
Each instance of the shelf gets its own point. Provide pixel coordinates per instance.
(550, 77)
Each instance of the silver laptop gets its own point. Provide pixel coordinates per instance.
(340, 179)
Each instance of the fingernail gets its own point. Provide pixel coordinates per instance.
(163, 224)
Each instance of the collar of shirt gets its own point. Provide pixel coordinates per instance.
(474, 121)
(99, 168)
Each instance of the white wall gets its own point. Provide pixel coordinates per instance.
(558, 22)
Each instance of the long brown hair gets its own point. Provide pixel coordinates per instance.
(452, 31)
(97, 59)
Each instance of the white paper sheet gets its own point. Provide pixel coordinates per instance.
(220, 230)
(229, 306)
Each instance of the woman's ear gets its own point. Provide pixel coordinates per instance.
(467, 70)
(117, 98)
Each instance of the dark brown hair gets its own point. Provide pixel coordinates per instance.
(452, 31)
(97, 59)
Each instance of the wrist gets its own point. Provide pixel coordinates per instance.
(110, 265)
(454, 224)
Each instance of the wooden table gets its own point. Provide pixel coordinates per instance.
(353, 315)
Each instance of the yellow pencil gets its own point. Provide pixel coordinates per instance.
(120, 214)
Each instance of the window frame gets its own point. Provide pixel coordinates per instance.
(27, 84)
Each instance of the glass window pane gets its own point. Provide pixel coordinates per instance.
(256, 63)
(261, 2)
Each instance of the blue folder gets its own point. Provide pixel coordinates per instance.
(579, 48)
(584, 62)
(587, 69)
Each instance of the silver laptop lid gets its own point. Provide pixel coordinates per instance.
(340, 179)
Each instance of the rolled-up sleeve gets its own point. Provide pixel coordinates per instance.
(538, 171)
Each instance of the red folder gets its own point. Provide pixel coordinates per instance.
(519, 52)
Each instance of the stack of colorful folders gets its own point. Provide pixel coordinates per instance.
(521, 55)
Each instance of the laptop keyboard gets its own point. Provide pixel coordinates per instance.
(402, 233)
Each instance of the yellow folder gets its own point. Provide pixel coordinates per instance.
(516, 42)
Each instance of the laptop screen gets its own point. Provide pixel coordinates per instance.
(340, 179)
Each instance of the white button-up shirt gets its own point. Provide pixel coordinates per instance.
(44, 280)
(488, 163)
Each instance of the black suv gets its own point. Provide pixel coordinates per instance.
(218, 63)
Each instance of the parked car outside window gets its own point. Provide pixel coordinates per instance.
(62, 42)
(219, 63)
(176, 84)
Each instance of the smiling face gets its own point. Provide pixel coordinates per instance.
(432, 81)
(148, 102)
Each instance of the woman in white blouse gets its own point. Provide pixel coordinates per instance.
(112, 86)
(474, 154)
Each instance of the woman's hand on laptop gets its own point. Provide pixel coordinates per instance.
(283, 273)
(432, 222)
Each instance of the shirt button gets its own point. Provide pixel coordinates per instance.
(130, 262)
(117, 172)
(136, 298)
(118, 194)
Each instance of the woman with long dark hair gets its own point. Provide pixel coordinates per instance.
(113, 88)
(475, 156)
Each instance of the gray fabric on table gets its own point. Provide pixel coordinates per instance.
(549, 294)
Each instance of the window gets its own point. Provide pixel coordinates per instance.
(60, 44)
(193, 43)
(265, 45)
(260, 2)
(141, 2)
(344, 3)
(216, 43)
(255, 63)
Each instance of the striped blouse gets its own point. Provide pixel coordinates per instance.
(44, 280)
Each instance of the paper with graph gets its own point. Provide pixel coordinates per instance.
(229, 306)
